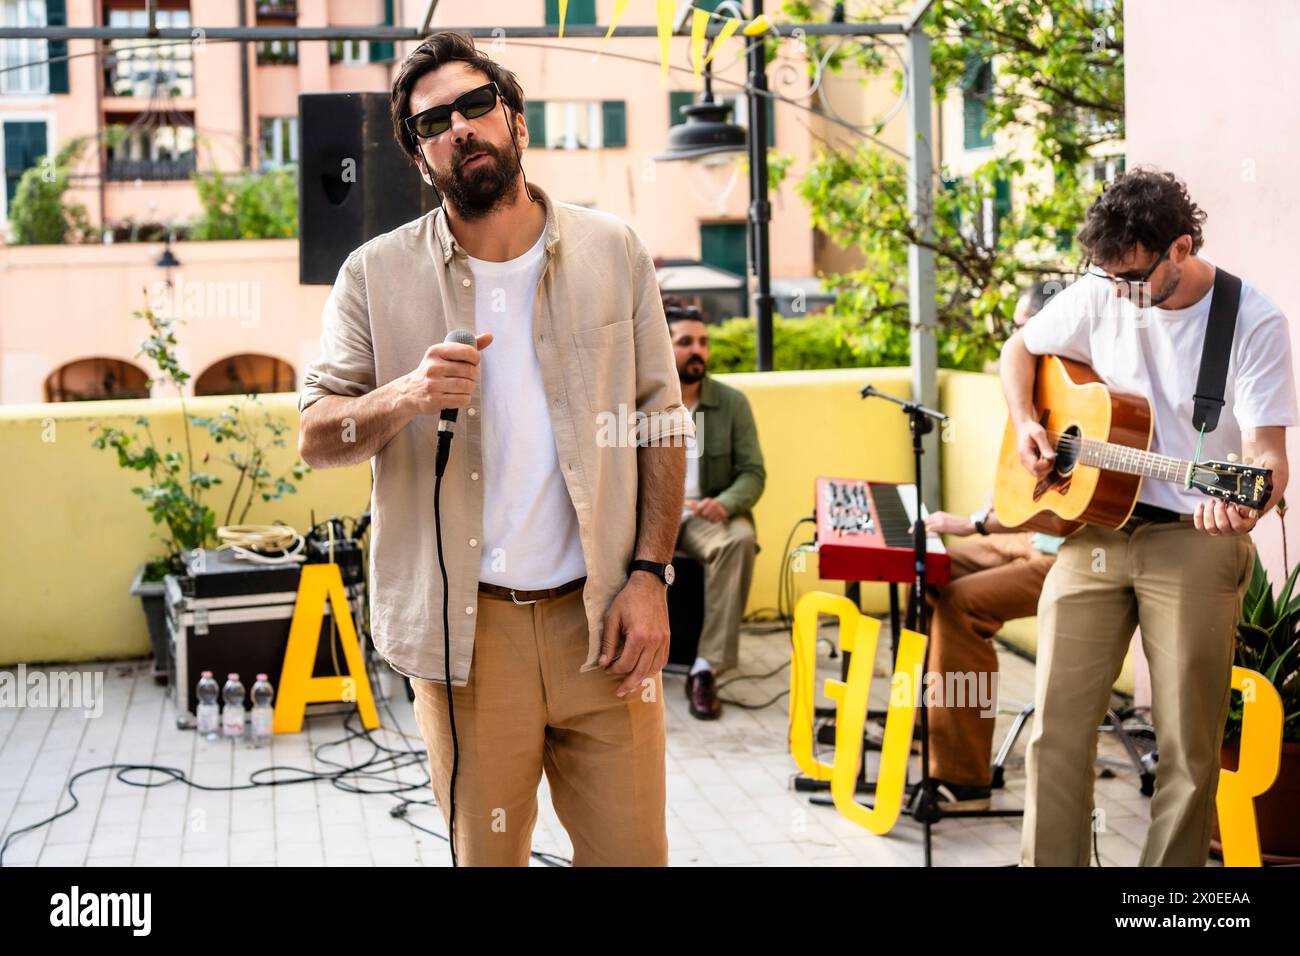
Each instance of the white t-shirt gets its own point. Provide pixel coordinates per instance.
(1156, 352)
(530, 529)
(692, 468)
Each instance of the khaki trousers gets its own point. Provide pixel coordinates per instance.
(995, 579)
(726, 549)
(526, 709)
(1184, 587)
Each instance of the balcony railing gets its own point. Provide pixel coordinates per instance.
(151, 170)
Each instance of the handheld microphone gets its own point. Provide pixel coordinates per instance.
(447, 419)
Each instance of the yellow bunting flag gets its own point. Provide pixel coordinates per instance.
(664, 10)
(699, 23)
(619, 7)
(564, 9)
(759, 25)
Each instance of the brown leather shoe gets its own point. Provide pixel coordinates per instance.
(702, 692)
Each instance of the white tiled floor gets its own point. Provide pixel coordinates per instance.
(730, 795)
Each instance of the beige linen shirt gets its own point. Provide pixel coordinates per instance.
(610, 381)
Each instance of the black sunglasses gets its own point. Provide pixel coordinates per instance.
(437, 119)
(1131, 278)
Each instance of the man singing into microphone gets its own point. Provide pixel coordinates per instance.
(557, 530)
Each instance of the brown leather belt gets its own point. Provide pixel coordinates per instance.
(530, 597)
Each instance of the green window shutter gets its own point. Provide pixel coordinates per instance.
(24, 145)
(1064, 239)
(56, 15)
(676, 100)
(384, 51)
(1001, 199)
(724, 245)
(952, 185)
(977, 87)
(581, 12)
(1119, 165)
(613, 118)
(535, 118)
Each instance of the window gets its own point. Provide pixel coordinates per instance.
(274, 52)
(349, 51)
(724, 245)
(279, 141)
(33, 79)
(739, 110)
(141, 67)
(579, 12)
(154, 153)
(977, 88)
(577, 124)
(25, 142)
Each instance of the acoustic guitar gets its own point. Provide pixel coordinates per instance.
(1102, 439)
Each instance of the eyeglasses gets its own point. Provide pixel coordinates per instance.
(437, 119)
(1129, 278)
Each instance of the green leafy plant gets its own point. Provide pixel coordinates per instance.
(1268, 641)
(41, 213)
(1056, 94)
(253, 206)
(812, 342)
(174, 493)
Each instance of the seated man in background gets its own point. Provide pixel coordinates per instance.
(724, 479)
(996, 577)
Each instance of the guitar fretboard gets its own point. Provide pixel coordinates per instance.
(1130, 461)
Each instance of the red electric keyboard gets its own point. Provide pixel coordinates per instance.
(864, 533)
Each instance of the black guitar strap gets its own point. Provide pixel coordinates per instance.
(1216, 351)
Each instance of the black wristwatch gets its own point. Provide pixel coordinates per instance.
(663, 572)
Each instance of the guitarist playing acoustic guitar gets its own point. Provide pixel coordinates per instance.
(1180, 564)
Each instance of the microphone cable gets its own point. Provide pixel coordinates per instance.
(446, 660)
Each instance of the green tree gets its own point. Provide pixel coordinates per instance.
(253, 206)
(1057, 78)
(41, 213)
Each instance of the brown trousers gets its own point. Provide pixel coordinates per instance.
(995, 579)
(1184, 587)
(526, 709)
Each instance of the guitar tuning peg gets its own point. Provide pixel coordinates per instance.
(1232, 456)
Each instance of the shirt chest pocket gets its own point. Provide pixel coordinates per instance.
(607, 359)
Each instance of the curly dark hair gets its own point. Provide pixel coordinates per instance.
(1144, 205)
(439, 49)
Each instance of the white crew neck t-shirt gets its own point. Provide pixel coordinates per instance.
(530, 529)
(693, 447)
(1156, 352)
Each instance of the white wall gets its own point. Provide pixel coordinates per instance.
(1213, 94)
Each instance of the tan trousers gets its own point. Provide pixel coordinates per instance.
(1184, 587)
(526, 709)
(726, 549)
(995, 579)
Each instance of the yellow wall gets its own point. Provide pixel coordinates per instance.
(75, 534)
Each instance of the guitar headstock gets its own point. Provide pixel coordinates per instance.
(1234, 482)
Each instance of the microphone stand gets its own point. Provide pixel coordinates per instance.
(925, 808)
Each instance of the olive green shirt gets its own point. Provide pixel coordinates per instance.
(731, 461)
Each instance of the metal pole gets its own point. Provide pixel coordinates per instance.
(760, 211)
(920, 260)
(303, 34)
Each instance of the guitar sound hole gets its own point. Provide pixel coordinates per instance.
(1067, 450)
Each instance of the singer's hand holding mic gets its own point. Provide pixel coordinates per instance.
(445, 377)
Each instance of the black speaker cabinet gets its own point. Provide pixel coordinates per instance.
(354, 181)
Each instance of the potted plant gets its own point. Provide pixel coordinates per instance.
(174, 492)
(1268, 641)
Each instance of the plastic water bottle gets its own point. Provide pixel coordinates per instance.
(263, 712)
(232, 715)
(208, 712)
